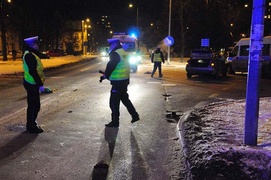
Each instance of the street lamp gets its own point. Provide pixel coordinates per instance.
(137, 28)
(169, 26)
(3, 29)
(131, 6)
(85, 25)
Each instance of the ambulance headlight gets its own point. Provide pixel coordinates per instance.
(133, 60)
(139, 58)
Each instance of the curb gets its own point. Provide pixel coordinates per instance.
(180, 135)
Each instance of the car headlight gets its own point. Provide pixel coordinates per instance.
(133, 60)
(138, 58)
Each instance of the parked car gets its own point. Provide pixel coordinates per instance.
(204, 62)
(43, 55)
(55, 53)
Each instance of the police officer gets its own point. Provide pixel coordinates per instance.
(157, 58)
(118, 72)
(33, 79)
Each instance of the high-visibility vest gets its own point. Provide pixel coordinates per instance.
(122, 70)
(28, 78)
(157, 57)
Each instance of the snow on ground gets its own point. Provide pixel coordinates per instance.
(11, 67)
(213, 142)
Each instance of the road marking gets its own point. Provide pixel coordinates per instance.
(152, 82)
(169, 85)
(9, 117)
(56, 77)
(85, 69)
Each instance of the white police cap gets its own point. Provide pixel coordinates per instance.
(31, 39)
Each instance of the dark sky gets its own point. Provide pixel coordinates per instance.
(118, 10)
(80, 9)
(121, 15)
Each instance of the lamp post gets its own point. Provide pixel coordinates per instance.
(3, 29)
(85, 26)
(131, 6)
(169, 26)
(137, 28)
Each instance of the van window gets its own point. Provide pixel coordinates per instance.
(234, 51)
(244, 50)
(128, 46)
(266, 49)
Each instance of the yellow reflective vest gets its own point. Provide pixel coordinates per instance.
(122, 70)
(27, 76)
(157, 57)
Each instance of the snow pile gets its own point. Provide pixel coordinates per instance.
(213, 138)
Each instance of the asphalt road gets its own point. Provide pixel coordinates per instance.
(75, 138)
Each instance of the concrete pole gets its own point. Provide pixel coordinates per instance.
(254, 71)
(169, 30)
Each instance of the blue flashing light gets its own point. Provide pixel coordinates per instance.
(133, 31)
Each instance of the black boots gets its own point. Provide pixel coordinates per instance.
(34, 130)
(113, 124)
(135, 118)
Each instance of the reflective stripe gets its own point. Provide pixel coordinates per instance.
(27, 75)
(157, 57)
(122, 70)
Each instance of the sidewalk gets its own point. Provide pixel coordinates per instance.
(212, 141)
(14, 67)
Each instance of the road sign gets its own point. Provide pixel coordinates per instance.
(204, 42)
(169, 41)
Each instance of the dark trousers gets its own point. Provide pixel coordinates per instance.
(33, 104)
(155, 66)
(119, 93)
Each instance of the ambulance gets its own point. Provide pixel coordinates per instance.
(130, 45)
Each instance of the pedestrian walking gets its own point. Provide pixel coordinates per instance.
(157, 58)
(118, 73)
(32, 81)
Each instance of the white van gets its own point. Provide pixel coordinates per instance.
(238, 58)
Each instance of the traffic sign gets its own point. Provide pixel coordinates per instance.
(204, 42)
(169, 41)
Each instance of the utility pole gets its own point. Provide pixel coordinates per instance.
(169, 30)
(3, 31)
(254, 70)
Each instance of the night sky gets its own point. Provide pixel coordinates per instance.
(118, 10)
(81, 9)
(111, 7)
